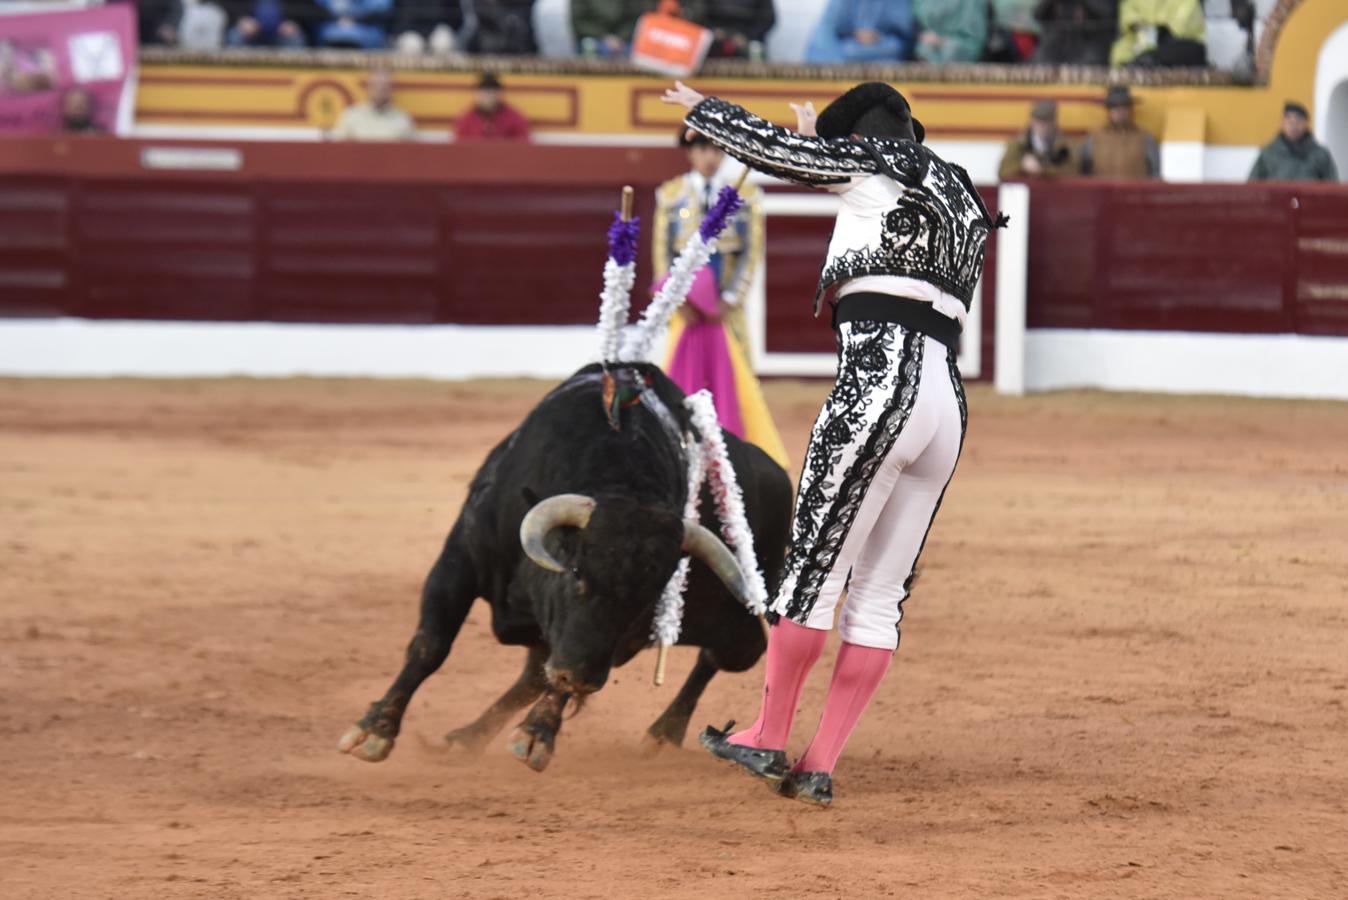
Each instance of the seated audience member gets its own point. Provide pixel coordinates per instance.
(150, 18)
(1160, 33)
(1041, 151)
(1076, 32)
(422, 25)
(1013, 32)
(603, 28)
(77, 112)
(862, 31)
(202, 26)
(491, 118)
(271, 23)
(375, 119)
(739, 27)
(950, 30)
(158, 21)
(1294, 155)
(1120, 149)
(498, 27)
(355, 23)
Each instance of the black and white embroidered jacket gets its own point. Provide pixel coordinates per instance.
(905, 211)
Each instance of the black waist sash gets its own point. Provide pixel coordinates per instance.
(913, 315)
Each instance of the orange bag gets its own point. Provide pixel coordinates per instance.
(667, 44)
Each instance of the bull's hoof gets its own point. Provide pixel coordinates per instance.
(358, 742)
(535, 751)
(468, 739)
(670, 734)
(652, 744)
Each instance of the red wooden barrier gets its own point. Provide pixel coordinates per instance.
(514, 234)
(1214, 258)
(504, 234)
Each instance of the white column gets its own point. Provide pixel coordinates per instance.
(1182, 161)
(970, 358)
(1013, 244)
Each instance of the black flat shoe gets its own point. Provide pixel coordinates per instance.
(811, 787)
(770, 765)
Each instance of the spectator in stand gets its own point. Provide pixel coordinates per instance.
(422, 25)
(1076, 32)
(1294, 155)
(853, 31)
(1120, 149)
(355, 23)
(739, 27)
(1041, 151)
(950, 30)
(1013, 33)
(158, 20)
(491, 118)
(498, 27)
(202, 25)
(603, 28)
(1160, 33)
(271, 23)
(376, 119)
(77, 112)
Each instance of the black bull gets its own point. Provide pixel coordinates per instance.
(596, 612)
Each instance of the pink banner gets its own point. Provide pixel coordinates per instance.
(67, 71)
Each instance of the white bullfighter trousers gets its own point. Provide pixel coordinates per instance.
(881, 454)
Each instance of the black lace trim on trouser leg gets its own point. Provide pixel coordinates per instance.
(958, 383)
(862, 376)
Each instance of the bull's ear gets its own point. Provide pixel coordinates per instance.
(529, 496)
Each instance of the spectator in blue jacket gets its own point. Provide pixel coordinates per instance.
(862, 31)
(355, 23)
(270, 23)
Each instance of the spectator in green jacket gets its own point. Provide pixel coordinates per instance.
(1294, 155)
(603, 28)
(950, 30)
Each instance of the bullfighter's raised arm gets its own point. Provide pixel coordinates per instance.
(771, 149)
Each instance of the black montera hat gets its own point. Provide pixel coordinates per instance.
(840, 118)
(489, 82)
(1291, 106)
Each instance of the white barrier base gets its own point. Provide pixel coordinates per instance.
(1255, 365)
(97, 348)
(1260, 365)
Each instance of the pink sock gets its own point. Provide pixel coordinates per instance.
(857, 673)
(792, 651)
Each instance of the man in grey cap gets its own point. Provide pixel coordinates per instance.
(1294, 155)
(1040, 151)
(1120, 149)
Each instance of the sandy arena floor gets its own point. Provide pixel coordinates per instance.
(1124, 673)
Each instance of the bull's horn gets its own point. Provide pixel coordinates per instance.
(563, 509)
(700, 543)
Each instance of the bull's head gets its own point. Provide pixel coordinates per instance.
(618, 555)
